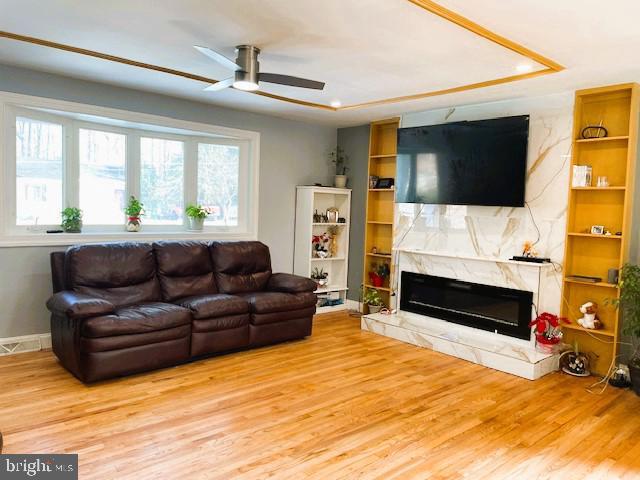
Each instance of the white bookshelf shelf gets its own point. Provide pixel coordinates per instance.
(308, 201)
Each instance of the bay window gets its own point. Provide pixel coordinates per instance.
(60, 159)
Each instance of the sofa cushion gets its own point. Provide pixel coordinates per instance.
(241, 267)
(184, 269)
(270, 302)
(275, 317)
(118, 342)
(122, 273)
(142, 318)
(216, 305)
(221, 323)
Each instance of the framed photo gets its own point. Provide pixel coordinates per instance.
(597, 229)
(373, 181)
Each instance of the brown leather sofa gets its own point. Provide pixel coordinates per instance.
(123, 308)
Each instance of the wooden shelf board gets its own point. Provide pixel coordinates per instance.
(376, 222)
(329, 259)
(382, 189)
(593, 235)
(592, 284)
(383, 155)
(380, 255)
(331, 288)
(578, 328)
(329, 224)
(603, 139)
(604, 189)
(385, 289)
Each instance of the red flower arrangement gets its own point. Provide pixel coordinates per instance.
(547, 329)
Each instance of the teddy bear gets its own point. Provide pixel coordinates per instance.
(589, 319)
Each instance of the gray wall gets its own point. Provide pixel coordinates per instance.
(292, 153)
(355, 142)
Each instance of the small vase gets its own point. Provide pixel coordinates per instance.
(340, 181)
(133, 224)
(196, 224)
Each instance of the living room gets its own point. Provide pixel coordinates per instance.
(286, 239)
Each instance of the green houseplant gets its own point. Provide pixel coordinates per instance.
(629, 304)
(134, 211)
(371, 298)
(196, 215)
(71, 220)
(339, 159)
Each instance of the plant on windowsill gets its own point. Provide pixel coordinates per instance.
(339, 159)
(196, 215)
(71, 220)
(371, 298)
(629, 304)
(134, 211)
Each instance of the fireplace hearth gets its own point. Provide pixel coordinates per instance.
(503, 310)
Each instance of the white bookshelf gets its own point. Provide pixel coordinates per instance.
(308, 200)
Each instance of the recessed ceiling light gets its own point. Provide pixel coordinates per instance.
(336, 103)
(524, 68)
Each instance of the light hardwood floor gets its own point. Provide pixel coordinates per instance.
(341, 404)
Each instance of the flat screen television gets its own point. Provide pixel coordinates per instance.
(464, 163)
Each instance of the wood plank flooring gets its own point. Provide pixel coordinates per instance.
(340, 404)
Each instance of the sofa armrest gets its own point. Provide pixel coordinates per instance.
(76, 305)
(288, 283)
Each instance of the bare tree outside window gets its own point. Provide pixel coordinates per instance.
(218, 181)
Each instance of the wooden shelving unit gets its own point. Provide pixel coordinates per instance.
(586, 254)
(380, 201)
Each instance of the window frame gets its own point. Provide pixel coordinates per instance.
(74, 116)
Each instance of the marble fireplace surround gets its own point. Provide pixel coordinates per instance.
(500, 352)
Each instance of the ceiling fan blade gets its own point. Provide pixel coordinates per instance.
(221, 85)
(291, 81)
(218, 57)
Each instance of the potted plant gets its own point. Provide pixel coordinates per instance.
(371, 298)
(339, 159)
(547, 331)
(71, 220)
(320, 277)
(629, 303)
(196, 215)
(134, 211)
(378, 272)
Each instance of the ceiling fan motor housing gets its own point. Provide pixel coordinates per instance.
(247, 60)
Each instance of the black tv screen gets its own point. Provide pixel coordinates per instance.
(464, 163)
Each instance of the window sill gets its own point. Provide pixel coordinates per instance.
(63, 239)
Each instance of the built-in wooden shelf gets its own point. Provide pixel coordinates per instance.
(384, 289)
(591, 284)
(618, 108)
(604, 189)
(603, 139)
(382, 189)
(383, 155)
(379, 255)
(603, 331)
(377, 222)
(593, 235)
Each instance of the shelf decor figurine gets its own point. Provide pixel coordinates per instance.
(333, 232)
(320, 277)
(575, 362)
(594, 131)
(590, 318)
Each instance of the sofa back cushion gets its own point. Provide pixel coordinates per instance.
(122, 273)
(241, 267)
(184, 269)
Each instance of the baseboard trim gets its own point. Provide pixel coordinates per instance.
(25, 343)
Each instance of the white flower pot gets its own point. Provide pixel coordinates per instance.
(340, 181)
(196, 224)
(374, 308)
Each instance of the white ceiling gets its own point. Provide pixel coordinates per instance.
(363, 49)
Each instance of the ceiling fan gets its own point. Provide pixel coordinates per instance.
(247, 71)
